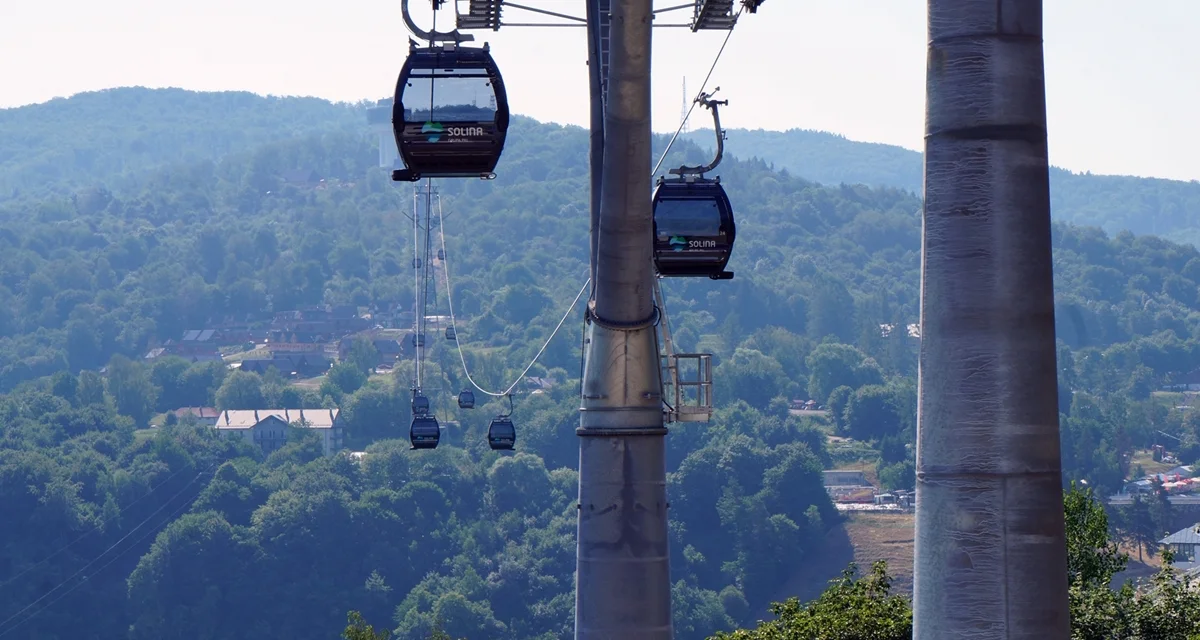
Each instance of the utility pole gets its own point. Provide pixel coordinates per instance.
(990, 542)
(623, 586)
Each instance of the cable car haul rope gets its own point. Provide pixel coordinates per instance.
(450, 119)
(424, 432)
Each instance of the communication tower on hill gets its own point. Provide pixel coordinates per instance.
(379, 118)
(683, 110)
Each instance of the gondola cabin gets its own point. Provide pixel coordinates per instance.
(420, 405)
(418, 340)
(416, 263)
(450, 115)
(466, 399)
(441, 254)
(451, 334)
(424, 432)
(693, 228)
(502, 435)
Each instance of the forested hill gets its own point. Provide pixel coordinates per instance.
(105, 135)
(113, 529)
(1169, 208)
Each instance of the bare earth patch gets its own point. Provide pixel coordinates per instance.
(884, 536)
(863, 538)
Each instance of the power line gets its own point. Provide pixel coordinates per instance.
(93, 529)
(169, 519)
(97, 558)
(458, 336)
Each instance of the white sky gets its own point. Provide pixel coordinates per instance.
(1123, 94)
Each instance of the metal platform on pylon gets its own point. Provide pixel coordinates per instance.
(714, 15)
(481, 14)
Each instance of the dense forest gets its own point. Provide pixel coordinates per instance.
(116, 529)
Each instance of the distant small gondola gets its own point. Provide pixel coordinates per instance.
(418, 340)
(441, 254)
(693, 228)
(466, 399)
(451, 334)
(450, 115)
(502, 435)
(424, 432)
(420, 405)
(417, 263)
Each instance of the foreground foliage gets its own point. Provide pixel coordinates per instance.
(147, 225)
(861, 608)
(852, 608)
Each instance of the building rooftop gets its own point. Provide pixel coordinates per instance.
(1190, 535)
(246, 418)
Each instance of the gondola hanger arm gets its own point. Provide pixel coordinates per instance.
(432, 36)
(712, 105)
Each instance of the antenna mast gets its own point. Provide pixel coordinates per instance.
(683, 110)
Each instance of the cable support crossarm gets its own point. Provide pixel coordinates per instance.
(703, 86)
(458, 335)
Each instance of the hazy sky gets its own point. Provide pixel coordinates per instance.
(1123, 95)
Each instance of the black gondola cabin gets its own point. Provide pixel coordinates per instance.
(420, 405)
(424, 432)
(693, 229)
(502, 435)
(466, 399)
(450, 114)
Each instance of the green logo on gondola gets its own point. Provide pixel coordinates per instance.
(678, 243)
(434, 129)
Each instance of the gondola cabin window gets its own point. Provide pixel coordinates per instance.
(442, 96)
(688, 219)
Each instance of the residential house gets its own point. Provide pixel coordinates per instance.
(203, 415)
(267, 428)
(845, 478)
(1185, 544)
(196, 345)
(331, 322)
(1189, 381)
(848, 485)
(304, 365)
(538, 385)
(388, 349)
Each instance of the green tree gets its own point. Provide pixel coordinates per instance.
(348, 377)
(241, 390)
(852, 608)
(871, 414)
(358, 629)
(1138, 525)
(834, 365)
(130, 386)
(1092, 557)
(362, 354)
